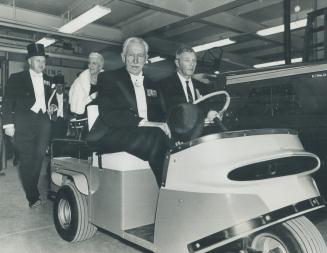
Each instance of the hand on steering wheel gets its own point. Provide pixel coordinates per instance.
(213, 115)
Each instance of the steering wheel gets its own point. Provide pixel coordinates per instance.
(213, 94)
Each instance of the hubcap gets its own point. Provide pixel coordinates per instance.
(268, 243)
(64, 213)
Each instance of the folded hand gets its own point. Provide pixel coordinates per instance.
(10, 131)
(212, 115)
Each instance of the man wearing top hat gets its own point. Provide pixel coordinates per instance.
(26, 118)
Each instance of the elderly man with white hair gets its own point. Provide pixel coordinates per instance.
(130, 110)
(84, 89)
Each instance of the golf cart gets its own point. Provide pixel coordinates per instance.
(237, 191)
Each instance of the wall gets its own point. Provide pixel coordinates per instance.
(69, 73)
(321, 4)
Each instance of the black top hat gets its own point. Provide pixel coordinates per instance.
(186, 122)
(59, 79)
(35, 49)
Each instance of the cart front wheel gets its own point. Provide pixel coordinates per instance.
(296, 235)
(70, 213)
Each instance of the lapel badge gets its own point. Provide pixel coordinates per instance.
(151, 93)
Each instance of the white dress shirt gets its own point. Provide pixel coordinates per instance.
(60, 100)
(190, 84)
(140, 95)
(37, 80)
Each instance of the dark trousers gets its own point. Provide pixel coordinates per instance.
(148, 143)
(31, 141)
(59, 128)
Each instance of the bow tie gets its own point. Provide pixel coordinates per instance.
(138, 81)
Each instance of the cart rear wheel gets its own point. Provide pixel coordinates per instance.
(70, 215)
(296, 235)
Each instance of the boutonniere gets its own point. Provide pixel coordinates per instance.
(151, 93)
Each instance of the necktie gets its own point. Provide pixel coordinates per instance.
(189, 93)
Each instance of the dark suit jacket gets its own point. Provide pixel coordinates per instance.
(172, 93)
(19, 97)
(117, 100)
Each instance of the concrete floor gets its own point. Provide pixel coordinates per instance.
(25, 230)
(32, 231)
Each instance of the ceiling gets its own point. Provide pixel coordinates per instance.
(165, 25)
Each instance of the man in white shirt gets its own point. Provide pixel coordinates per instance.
(130, 108)
(26, 119)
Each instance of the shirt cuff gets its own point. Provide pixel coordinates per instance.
(7, 126)
(142, 122)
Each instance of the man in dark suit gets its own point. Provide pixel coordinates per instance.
(59, 102)
(26, 119)
(130, 107)
(181, 88)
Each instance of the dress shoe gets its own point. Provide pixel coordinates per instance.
(35, 203)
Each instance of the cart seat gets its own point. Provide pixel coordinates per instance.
(121, 161)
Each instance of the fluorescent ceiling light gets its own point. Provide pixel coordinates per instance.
(275, 63)
(219, 43)
(84, 19)
(156, 59)
(299, 24)
(295, 60)
(46, 41)
(280, 28)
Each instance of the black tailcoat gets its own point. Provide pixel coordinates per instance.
(118, 110)
(31, 129)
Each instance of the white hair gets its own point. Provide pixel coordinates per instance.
(137, 40)
(99, 58)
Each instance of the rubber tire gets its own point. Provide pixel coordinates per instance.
(79, 228)
(297, 235)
